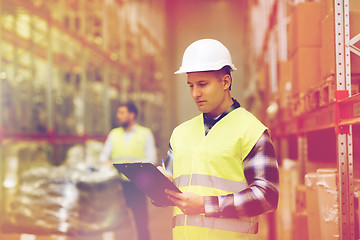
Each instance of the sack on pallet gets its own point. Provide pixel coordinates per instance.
(65, 200)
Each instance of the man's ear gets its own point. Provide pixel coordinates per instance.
(227, 81)
(132, 116)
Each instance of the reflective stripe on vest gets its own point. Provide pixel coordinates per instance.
(228, 224)
(210, 181)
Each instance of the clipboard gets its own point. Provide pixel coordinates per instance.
(149, 180)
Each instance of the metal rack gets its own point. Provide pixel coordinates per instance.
(64, 60)
(115, 75)
(343, 129)
(340, 115)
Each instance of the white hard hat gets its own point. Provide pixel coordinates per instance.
(205, 55)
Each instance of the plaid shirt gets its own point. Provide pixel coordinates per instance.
(262, 175)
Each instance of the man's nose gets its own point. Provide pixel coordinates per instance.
(196, 92)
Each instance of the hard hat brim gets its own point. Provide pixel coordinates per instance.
(204, 69)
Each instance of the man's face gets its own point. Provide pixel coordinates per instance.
(208, 91)
(123, 116)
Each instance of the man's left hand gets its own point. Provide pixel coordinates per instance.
(189, 203)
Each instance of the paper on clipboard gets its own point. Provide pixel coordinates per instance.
(149, 180)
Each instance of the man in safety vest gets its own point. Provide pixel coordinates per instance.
(131, 143)
(223, 160)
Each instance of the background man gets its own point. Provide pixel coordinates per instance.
(131, 142)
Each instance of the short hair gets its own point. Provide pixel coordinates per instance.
(227, 69)
(131, 107)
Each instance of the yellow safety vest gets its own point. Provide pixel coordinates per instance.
(212, 166)
(126, 152)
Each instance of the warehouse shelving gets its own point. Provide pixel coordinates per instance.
(330, 122)
(49, 63)
(56, 44)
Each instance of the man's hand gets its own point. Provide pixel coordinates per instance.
(108, 163)
(162, 170)
(189, 203)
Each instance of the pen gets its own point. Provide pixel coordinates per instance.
(163, 164)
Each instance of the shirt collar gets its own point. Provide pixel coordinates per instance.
(227, 111)
(210, 122)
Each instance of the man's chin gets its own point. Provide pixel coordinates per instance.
(202, 109)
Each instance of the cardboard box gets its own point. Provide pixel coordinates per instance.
(305, 26)
(327, 47)
(306, 69)
(354, 31)
(354, 5)
(288, 181)
(263, 78)
(285, 76)
(300, 199)
(328, 60)
(328, 7)
(290, 36)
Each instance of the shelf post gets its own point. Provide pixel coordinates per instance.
(2, 78)
(302, 155)
(344, 138)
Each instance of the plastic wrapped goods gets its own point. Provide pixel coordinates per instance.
(312, 206)
(63, 200)
(322, 204)
(328, 203)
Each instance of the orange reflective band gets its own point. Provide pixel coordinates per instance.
(234, 225)
(210, 181)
